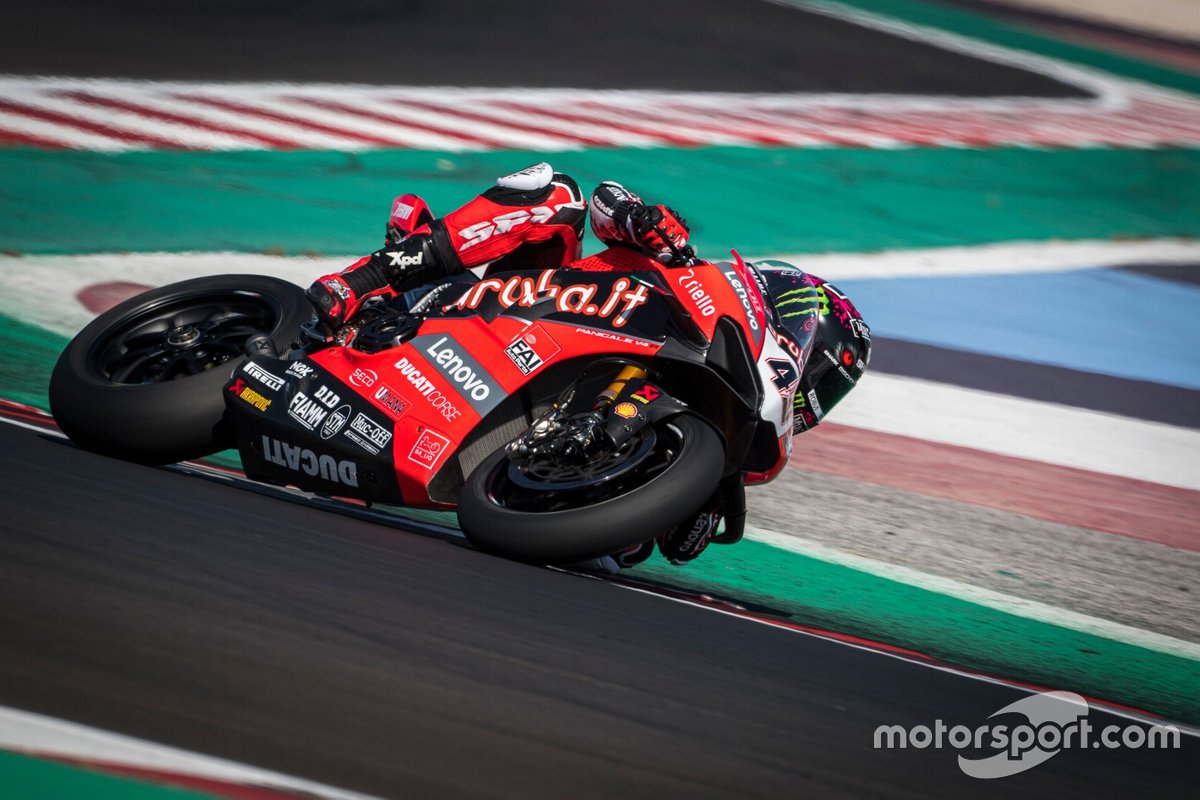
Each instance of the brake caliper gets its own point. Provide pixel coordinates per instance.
(555, 436)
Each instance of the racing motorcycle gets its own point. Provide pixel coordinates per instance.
(564, 413)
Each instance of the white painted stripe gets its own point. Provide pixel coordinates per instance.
(1124, 112)
(31, 426)
(1014, 426)
(197, 102)
(50, 283)
(504, 135)
(225, 119)
(1115, 96)
(1008, 604)
(38, 735)
(1014, 258)
(66, 135)
(188, 136)
(397, 134)
(541, 117)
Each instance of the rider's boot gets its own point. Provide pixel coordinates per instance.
(689, 540)
(385, 273)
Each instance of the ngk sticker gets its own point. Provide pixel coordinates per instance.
(299, 369)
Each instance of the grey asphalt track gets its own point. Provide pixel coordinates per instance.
(209, 617)
(712, 45)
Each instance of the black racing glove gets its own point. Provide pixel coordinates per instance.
(334, 300)
(689, 540)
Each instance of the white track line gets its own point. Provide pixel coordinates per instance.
(994, 680)
(39, 735)
(1087, 79)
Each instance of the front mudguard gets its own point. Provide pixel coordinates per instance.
(640, 403)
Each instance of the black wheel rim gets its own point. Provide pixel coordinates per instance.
(547, 488)
(181, 336)
(555, 476)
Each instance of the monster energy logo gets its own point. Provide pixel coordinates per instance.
(804, 298)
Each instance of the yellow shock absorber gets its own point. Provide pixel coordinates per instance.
(626, 375)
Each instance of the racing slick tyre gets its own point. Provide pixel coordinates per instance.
(644, 489)
(143, 382)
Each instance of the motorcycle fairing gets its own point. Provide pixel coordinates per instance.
(297, 424)
(486, 355)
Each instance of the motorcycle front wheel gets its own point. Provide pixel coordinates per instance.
(143, 381)
(555, 515)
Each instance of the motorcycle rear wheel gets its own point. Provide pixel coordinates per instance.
(143, 381)
(613, 509)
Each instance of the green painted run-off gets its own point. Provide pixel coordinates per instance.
(761, 201)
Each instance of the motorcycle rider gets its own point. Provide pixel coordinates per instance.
(534, 219)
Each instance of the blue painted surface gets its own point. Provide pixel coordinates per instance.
(1103, 320)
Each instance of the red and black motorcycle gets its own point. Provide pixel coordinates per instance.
(565, 413)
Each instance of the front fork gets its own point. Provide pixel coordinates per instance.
(632, 372)
(647, 403)
(575, 437)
